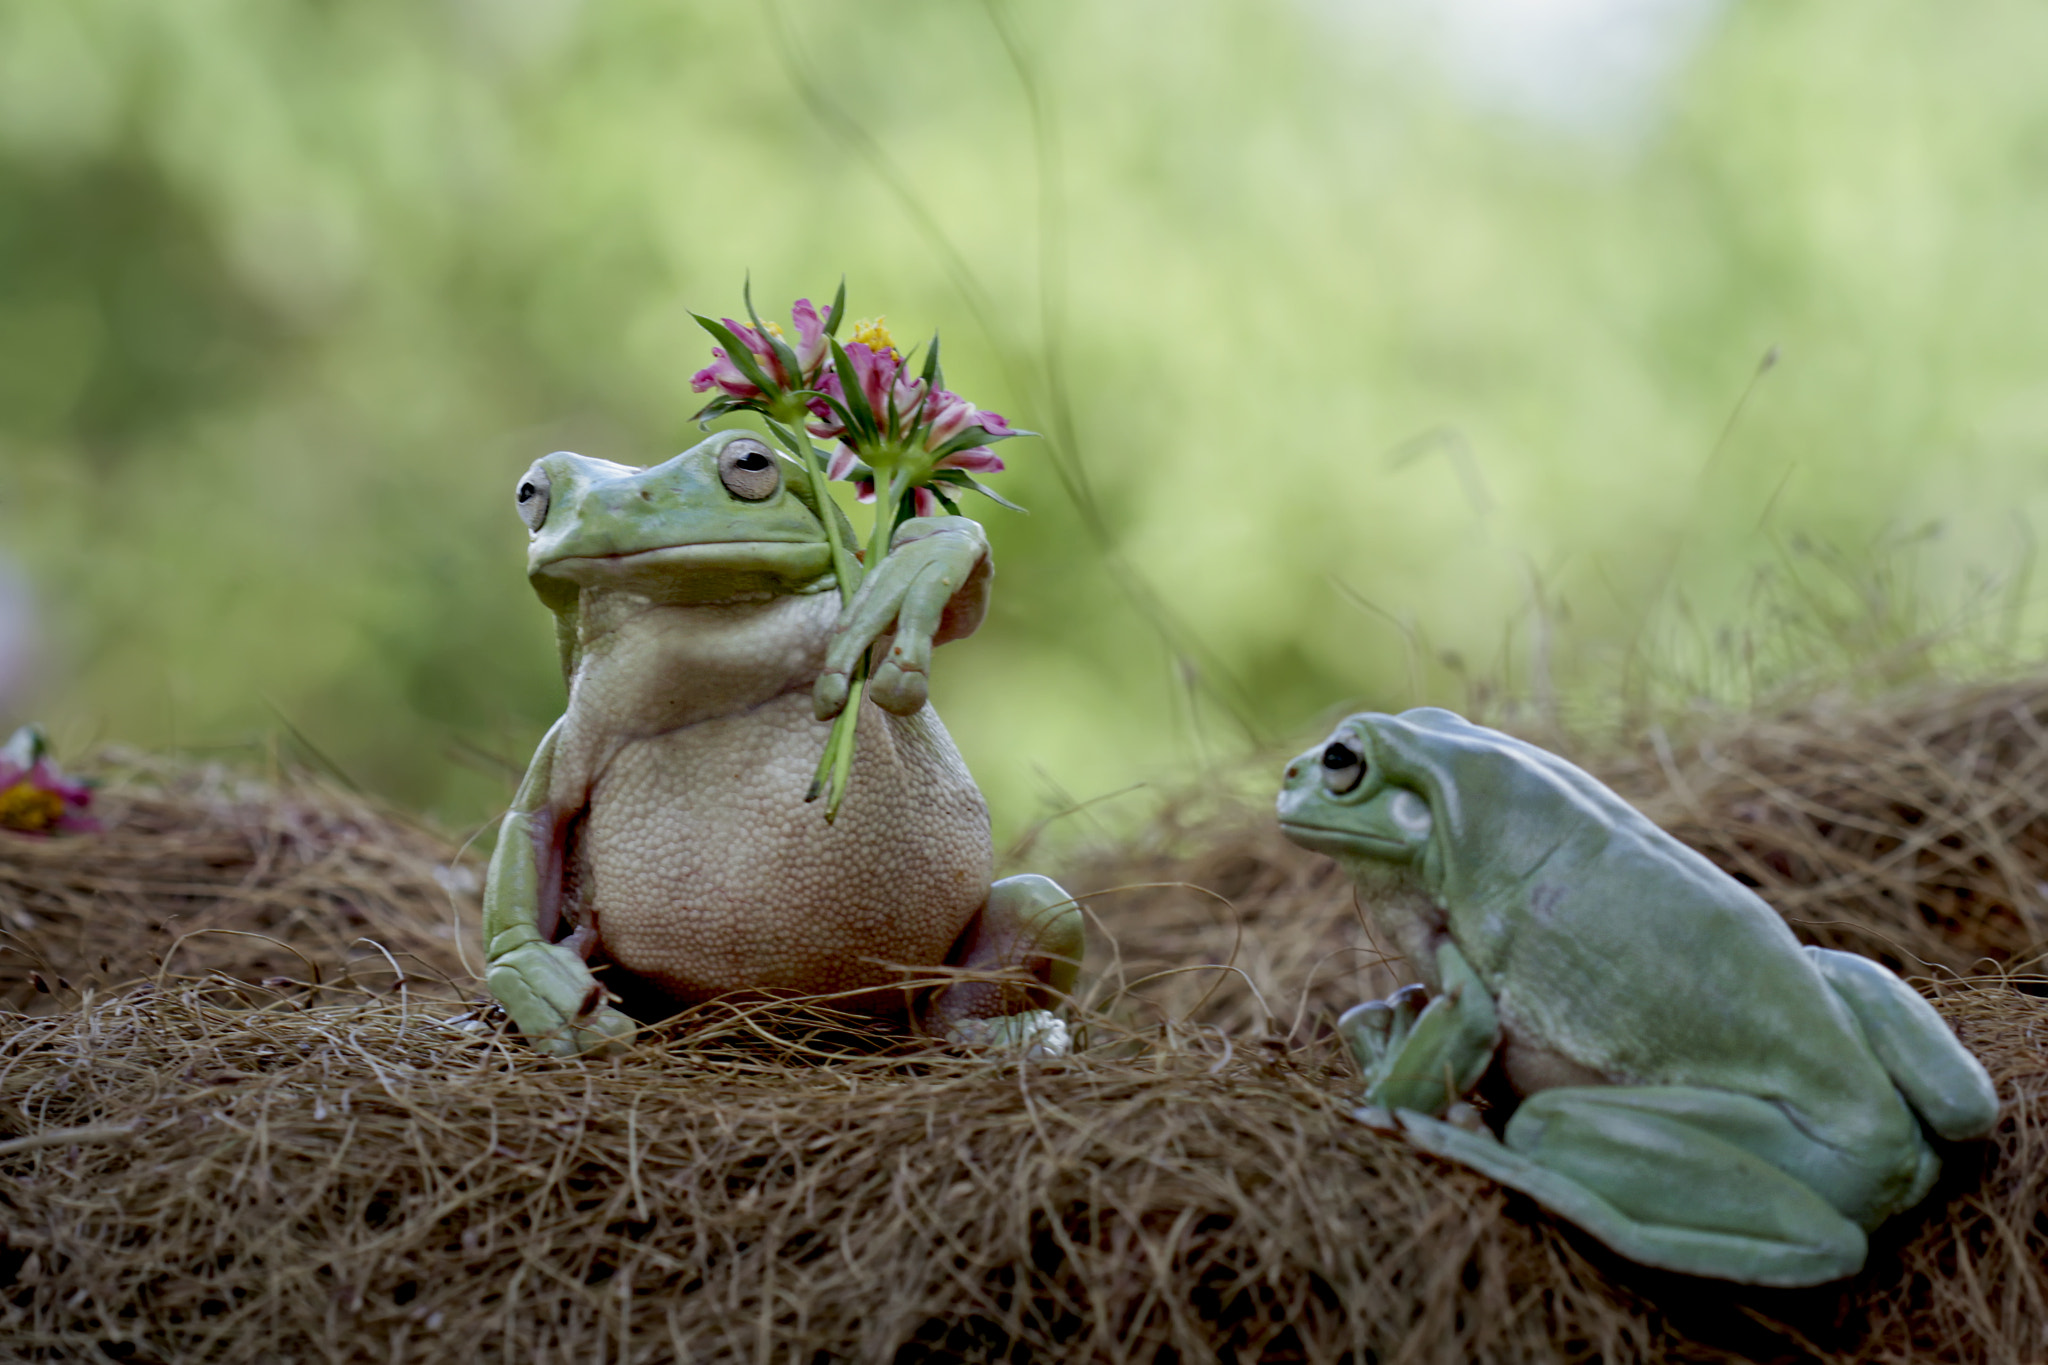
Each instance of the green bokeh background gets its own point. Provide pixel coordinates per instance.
(291, 292)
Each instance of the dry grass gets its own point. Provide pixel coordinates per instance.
(1915, 833)
(195, 860)
(207, 1167)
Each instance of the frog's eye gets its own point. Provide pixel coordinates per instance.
(1343, 768)
(748, 471)
(532, 494)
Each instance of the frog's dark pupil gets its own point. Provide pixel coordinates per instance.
(526, 492)
(753, 459)
(1337, 756)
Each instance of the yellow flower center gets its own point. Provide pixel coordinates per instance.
(27, 806)
(873, 333)
(773, 330)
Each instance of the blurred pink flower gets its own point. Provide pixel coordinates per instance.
(39, 799)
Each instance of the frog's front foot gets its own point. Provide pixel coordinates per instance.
(554, 999)
(1375, 1030)
(1033, 1033)
(932, 587)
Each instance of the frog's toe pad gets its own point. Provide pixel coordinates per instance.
(1465, 1116)
(1033, 1033)
(1377, 1117)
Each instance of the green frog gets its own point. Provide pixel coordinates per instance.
(1694, 1088)
(661, 836)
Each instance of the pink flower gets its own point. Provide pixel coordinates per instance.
(902, 430)
(951, 414)
(927, 501)
(976, 459)
(842, 462)
(39, 799)
(811, 347)
(810, 351)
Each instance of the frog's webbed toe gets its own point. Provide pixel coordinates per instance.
(557, 1003)
(1032, 1033)
(1376, 1029)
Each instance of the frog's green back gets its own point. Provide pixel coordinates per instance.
(1607, 937)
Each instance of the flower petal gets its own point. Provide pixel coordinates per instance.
(810, 339)
(979, 459)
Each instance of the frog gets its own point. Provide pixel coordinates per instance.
(660, 850)
(1682, 1079)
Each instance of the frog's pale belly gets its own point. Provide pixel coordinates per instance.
(704, 869)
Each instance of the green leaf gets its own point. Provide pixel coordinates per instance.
(934, 377)
(863, 423)
(839, 410)
(968, 438)
(795, 442)
(837, 312)
(960, 478)
(952, 508)
(784, 356)
(737, 352)
(720, 406)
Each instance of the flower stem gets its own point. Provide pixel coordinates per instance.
(790, 417)
(835, 765)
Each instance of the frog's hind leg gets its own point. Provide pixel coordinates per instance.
(1029, 925)
(1947, 1086)
(1659, 1188)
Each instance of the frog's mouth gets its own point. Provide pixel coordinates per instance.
(1328, 840)
(705, 571)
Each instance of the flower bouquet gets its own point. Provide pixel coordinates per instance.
(909, 444)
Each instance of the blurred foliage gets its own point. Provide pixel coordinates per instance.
(291, 292)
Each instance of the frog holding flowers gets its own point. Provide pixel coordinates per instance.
(662, 835)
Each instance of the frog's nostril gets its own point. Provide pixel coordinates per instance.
(1293, 771)
(646, 496)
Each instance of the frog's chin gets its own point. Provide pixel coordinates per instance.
(1345, 843)
(703, 572)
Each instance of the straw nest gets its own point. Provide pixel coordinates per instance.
(239, 1125)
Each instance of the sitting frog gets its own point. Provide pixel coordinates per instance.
(661, 831)
(1697, 1091)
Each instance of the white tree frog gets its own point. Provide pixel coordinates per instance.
(661, 832)
(1696, 1089)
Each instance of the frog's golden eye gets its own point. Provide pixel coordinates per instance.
(748, 471)
(532, 494)
(1343, 768)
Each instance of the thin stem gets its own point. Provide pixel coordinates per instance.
(840, 750)
(790, 417)
(835, 764)
(888, 514)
